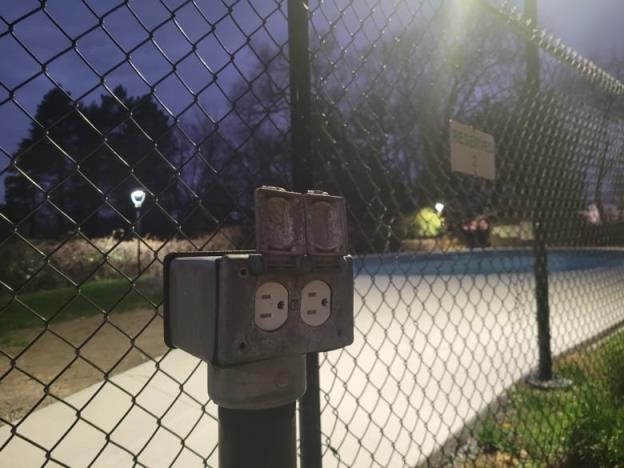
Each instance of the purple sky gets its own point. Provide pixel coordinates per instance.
(592, 28)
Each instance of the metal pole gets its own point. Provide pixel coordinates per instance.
(540, 259)
(544, 373)
(302, 178)
(257, 438)
(539, 245)
(138, 234)
(300, 99)
(310, 416)
(544, 377)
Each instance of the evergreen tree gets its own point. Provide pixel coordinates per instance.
(77, 166)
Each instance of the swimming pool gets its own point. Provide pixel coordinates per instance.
(485, 262)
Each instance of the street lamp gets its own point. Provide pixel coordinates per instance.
(138, 197)
(439, 207)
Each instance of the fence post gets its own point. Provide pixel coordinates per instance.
(300, 100)
(544, 377)
(544, 372)
(540, 259)
(302, 180)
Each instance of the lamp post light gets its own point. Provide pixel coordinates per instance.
(439, 207)
(138, 197)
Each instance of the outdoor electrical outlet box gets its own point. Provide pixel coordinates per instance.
(291, 297)
(231, 309)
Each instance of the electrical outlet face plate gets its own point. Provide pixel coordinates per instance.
(222, 310)
(252, 326)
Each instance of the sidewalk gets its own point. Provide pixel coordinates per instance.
(134, 433)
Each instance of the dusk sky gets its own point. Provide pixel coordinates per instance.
(591, 27)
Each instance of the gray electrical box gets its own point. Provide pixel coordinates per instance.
(253, 315)
(234, 308)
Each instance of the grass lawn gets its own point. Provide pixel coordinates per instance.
(63, 304)
(579, 426)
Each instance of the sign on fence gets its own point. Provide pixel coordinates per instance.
(472, 151)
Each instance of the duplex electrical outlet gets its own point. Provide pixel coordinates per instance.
(231, 308)
(272, 312)
(315, 303)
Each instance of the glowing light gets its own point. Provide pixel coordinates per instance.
(137, 197)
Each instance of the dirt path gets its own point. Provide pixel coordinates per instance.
(54, 361)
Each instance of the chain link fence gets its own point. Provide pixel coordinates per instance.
(468, 278)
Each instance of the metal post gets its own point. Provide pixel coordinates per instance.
(300, 99)
(539, 247)
(257, 438)
(302, 178)
(540, 259)
(543, 311)
(138, 235)
(310, 416)
(544, 377)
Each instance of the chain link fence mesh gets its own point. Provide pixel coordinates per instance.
(190, 102)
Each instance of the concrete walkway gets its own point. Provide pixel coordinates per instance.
(133, 430)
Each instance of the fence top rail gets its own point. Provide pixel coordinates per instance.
(555, 47)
